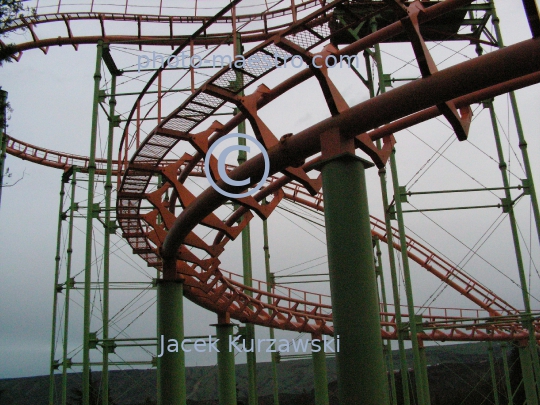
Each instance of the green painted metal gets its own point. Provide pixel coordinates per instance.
(471, 207)
(171, 365)
(421, 384)
(506, 369)
(250, 328)
(53, 365)
(493, 374)
(3, 138)
(463, 190)
(520, 132)
(528, 376)
(106, 248)
(226, 368)
(404, 368)
(65, 360)
(320, 377)
(253, 398)
(269, 287)
(519, 258)
(360, 365)
(89, 225)
(387, 346)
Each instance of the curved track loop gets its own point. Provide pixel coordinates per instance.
(37, 19)
(266, 27)
(422, 255)
(220, 291)
(57, 159)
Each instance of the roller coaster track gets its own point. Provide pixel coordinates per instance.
(418, 252)
(158, 233)
(31, 22)
(34, 20)
(206, 283)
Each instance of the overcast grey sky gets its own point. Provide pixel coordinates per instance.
(51, 97)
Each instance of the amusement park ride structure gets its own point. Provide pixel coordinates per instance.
(182, 233)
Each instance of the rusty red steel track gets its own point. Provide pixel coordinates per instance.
(440, 267)
(219, 291)
(30, 22)
(56, 159)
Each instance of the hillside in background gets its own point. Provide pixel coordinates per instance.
(458, 374)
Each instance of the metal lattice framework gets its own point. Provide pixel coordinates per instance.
(218, 290)
(208, 284)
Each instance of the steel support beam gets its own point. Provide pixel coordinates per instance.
(269, 288)
(171, 365)
(65, 360)
(251, 356)
(320, 378)
(107, 345)
(89, 233)
(532, 345)
(493, 374)
(520, 132)
(404, 367)
(360, 366)
(507, 381)
(419, 374)
(226, 367)
(53, 366)
(387, 346)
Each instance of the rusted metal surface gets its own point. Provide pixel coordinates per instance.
(210, 286)
(165, 243)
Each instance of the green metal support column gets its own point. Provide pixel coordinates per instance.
(108, 346)
(226, 367)
(404, 368)
(3, 137)
(253, 397)
(360, 365)
(387, 347)
(521, 134)
(320, 378)
(171, 365)
(65, 361)
(507, 374)
(493, 374)
(89, 226)
(422, 385)
(528, 375)
(508, 207)
(53, 365)
(269, 287)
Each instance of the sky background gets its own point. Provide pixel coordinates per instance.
(51, 98)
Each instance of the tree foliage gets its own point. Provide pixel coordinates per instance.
(9, 11)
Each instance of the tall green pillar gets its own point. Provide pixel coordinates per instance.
(56, 290)
(404, 367)
(65, 361)
(253, 398)
(360, 365)
(269, 287)
(89, 230)
(528, 375)
(226, 367)
(320, 378)
(171, 365)
(108, 346)
(493, 374)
